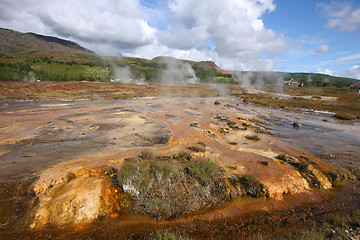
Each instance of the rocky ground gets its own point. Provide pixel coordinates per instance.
(60, 158)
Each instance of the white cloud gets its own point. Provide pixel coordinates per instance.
(341, 15)
(235, 27)
(323, 49)
(352, 72)
(116, 23)
(231, 32)
(326, 71)
(350, 57)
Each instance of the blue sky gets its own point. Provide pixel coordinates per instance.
(317, 36)
(305, 24)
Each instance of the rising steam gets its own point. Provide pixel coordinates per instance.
(175, 71)
(261, 81)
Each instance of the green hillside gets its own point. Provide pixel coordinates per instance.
(29, 56)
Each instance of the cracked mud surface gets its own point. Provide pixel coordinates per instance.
(53, 156)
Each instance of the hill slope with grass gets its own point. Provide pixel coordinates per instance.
(13, 42)
(30, 56)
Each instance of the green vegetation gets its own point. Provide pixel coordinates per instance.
(164, 188)
(341, 103)
(203, 169)
(253, 187)
(167, 235)
(333, 227)
(70, 72)
(343, 116)
(170, 186)
(46, 69)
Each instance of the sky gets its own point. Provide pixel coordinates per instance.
(318, 36)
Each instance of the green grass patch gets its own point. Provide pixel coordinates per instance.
(203, 169)
(70, 72)
(167, 235)
(12, 97)
(343, 116)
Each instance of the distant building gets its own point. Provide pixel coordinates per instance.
(291, 83)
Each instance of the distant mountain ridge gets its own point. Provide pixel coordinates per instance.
(12, 42)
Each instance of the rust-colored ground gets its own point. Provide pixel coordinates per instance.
(50, 147)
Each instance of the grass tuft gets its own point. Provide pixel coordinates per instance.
(166, 235)
(203, 169)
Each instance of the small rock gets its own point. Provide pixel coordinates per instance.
(296, 124)
(194, 124)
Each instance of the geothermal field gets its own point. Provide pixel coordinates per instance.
(203, 167)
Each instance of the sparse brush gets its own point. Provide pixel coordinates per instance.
(166, 235)
(253, 187)
(196, 148)
(184, 155)
(336, 220)
(355, 219)
(146, 154)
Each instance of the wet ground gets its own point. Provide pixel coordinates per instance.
(50, 148)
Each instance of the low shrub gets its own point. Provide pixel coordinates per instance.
(203, 169)
(253, 187)
(146, 154)
(184, 155)
(164, 188)
(343, 116)
(196, 148)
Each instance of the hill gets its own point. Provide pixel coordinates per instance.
(17, 43)
(32, 56)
